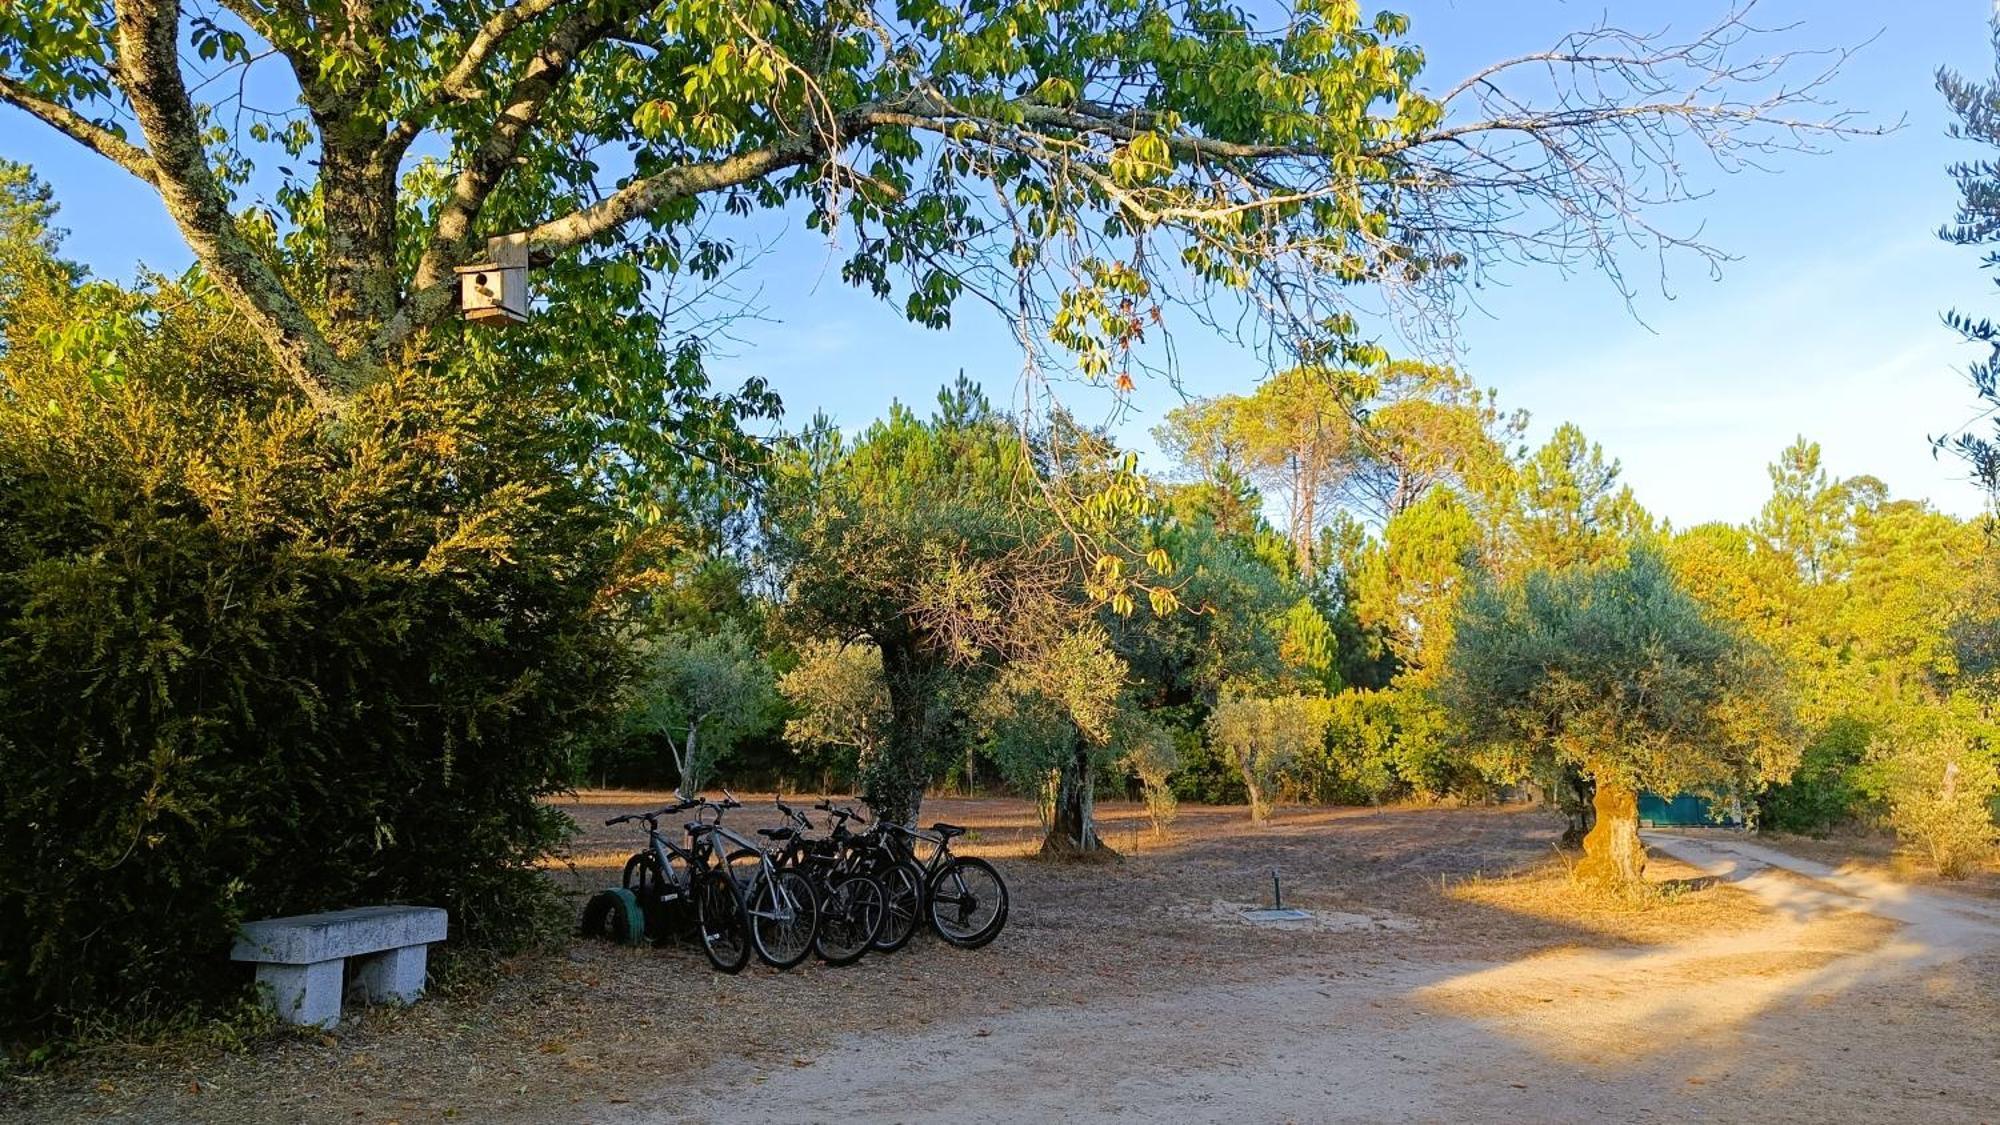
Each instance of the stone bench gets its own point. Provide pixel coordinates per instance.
(300, 959)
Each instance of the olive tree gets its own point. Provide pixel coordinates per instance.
(1049, 718)
(1613, 670)
(840, 702)
(1265, 737)
(703, 694)
(927, 540)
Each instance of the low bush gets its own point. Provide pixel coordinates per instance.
(1822, 794)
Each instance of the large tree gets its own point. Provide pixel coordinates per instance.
(1613, 670)
(1085, 164)
(1569, 506)
(928, 539)
(1294, 437)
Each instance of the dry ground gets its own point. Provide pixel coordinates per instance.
(1879, 853)
(1449, 973)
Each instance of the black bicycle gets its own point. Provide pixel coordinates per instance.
(964, 898)
(667, 879)
(901, 880)
(851, 902)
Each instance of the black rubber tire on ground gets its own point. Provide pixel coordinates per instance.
(724, 929)
(784, 917)
(851, 911)
(966, 902)
(903, 916)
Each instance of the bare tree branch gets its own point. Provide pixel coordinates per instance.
(150, 75)
(81, 129)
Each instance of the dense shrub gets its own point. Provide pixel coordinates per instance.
(1940, 785)
(1206, 776)
(1821, 794)
(254, 661)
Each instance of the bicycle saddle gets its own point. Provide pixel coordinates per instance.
(776, 833)
(947, 830)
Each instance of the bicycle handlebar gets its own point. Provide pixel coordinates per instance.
(826, 805)
(653, 817)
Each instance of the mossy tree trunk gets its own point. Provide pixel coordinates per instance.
(893, 779)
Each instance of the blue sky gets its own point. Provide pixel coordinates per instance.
(1826, 324)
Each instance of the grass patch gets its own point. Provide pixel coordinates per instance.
(1674, 901)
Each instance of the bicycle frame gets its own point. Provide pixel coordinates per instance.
(665, 851)
(785, 906)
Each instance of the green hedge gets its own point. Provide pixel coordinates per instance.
(256, 662)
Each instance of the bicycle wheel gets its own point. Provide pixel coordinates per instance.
(903, 906)
(784, 917)
(725, 933)
(744, 867)
(653, 891)
(642, 875)
(967, 903)
(850, 915)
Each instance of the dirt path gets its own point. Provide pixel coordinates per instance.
(1451, 973)
(1939, 927)
(1859, 999)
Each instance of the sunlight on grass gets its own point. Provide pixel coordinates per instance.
(1672, 905)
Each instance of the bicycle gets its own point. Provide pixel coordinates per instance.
(851, 901)
(665, 875)
(902, 882)
(782, 905)
(964, 898)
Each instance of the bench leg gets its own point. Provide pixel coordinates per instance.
(308, 995)
(396, 975)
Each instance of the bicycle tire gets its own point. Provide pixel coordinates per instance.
(782, 936)
(952, 902)
(725, 928)
(903, 913)
(851, 914)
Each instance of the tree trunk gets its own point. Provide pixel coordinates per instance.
(684, 762)
(1305, 513)
(1260, 806)
(149, 72)
(362, 280)
(1612, 854)
(893, 780)
(1574, 792)
(1073, 823)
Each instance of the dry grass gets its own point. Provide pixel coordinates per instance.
(1675, 901)
(586, 1025)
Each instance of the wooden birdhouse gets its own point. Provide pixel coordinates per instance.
(496, 291)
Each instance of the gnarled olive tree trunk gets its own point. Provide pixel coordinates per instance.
(1073, 821)
(1612, 854)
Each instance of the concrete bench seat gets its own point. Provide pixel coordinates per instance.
(300, 960)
